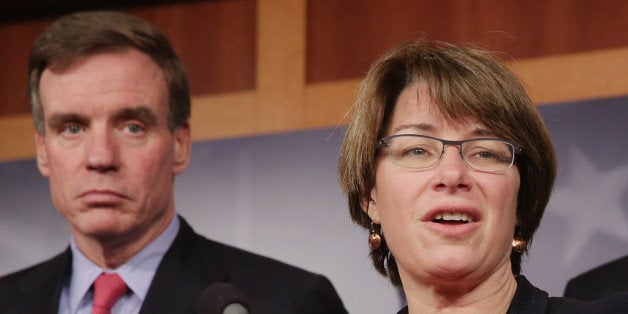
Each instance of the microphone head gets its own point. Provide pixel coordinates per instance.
(222, 298)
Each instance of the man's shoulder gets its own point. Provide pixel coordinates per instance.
(36, 284)
(530, 299)
(239, 262)
(275, 285)
(232, 259)
(37, 272)
(613, 303)
(600, 281)
(271, 285)
(613, 270)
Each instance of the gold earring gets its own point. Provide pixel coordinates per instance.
(375, 240)
(518, 245)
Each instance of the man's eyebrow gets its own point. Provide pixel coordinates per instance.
(56, 120)
(142, 113)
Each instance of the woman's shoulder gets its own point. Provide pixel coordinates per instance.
(530, 299)
(614, 303)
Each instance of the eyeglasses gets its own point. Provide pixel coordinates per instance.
(420, 151)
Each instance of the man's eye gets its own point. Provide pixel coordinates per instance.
(72, 129)
(134, 128)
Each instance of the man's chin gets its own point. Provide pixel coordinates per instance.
(100, 225)
(102, 233)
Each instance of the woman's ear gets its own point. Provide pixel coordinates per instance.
(369, 206)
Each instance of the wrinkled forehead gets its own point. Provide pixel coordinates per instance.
(106, 80)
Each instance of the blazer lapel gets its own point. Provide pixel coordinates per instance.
(42, 287)
(187, 268)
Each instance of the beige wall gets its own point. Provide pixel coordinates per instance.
(269, 66)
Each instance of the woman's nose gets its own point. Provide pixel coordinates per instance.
(452, 170)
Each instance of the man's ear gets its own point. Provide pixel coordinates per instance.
(182, 147)
(369, 206)
(42, 157)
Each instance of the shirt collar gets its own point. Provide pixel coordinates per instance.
(137, 273)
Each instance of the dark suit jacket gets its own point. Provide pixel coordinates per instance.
(190, 265)
(529, 299)
(601, 281)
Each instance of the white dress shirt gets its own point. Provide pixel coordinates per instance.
(77, 296)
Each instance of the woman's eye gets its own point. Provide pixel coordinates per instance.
(489, 156)
(485, 155)
(414, 151)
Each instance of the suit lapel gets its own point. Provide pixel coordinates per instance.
(43, 286)
(187, 268)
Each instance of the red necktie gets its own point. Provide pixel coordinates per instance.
(108, 288)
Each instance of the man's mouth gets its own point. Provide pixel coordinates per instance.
(102, 198)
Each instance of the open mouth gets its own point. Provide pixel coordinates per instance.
(452, 218)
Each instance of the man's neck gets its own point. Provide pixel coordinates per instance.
(113, 251)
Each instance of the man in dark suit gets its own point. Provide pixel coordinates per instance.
(603, 280)
(111, 105)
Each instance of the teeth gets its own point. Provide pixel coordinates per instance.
(453, 217)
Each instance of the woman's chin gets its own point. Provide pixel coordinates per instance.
(452, 267)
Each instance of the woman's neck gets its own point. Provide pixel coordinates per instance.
(491, 295)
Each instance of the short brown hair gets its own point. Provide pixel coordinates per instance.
(464, 82)
(86, 33)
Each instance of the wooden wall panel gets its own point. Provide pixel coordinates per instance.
(281, 65)
(215, 40)
(345, 37)
(285, 65)
(16, 40)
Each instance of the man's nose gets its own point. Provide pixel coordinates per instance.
(101, 151)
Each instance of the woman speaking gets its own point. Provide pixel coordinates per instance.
(449, 165)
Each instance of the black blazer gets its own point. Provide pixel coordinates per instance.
(529, 299)
(190, 265)
(600, 281)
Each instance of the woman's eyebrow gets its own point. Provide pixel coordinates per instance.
(427, 127)
(483, 132)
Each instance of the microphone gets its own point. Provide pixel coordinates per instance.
(222, 298)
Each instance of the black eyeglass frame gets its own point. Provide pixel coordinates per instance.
(516, 149)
